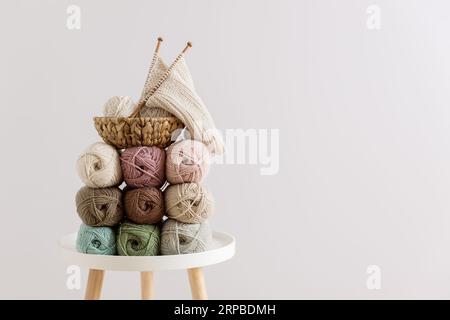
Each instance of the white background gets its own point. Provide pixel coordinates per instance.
(364, 153)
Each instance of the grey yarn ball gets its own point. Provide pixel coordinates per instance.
(183, 238)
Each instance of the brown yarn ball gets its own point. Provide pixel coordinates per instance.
(188, 202)
(99, 207)
(144, 205)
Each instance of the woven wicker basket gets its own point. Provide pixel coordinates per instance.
(131, 132)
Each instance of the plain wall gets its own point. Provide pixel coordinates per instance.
(363, 117)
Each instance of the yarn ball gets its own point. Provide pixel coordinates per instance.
(154, 112)
(143, 166)
(119, 106)
(96, 240)
(99, 166)
(138, 239)
(99, 207)
(187, 161)
(188, 202)
(144, 205)
(183, 238)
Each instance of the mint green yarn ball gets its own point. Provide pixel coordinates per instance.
(138, 239)
(96, 240)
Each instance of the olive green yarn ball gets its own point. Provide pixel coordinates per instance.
(138, 239)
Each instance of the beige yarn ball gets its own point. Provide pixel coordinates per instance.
(119, 106)
(188, 202)
(99, 166)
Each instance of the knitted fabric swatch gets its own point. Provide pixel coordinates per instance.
(177, 96)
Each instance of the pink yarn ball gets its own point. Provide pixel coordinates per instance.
(187, 161)
(143, 166)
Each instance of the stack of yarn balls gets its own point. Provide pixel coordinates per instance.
(99, 202)
(188, 203)
(129, 220)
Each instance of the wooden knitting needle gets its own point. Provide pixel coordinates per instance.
(158, 44)
(188, 45)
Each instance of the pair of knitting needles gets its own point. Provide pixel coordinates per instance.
(158, 44)
(146, 94)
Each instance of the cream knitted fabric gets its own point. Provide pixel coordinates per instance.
(177, 96)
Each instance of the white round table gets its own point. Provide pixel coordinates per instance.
(222, 249)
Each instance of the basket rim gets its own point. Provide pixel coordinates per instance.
(147, 118)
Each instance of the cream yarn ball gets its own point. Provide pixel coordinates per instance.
(99, 166)
(119, 106)
(188, 202)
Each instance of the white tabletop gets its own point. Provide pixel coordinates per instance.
(222, 249)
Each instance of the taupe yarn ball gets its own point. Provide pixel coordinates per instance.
(154, 112)
(187, 161)
(183, 238)
(99, 207)
(99, 166)
(188, 202)
(144, 205)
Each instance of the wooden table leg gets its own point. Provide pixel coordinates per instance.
(147, 292)
(197, 283)
(94, 284)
